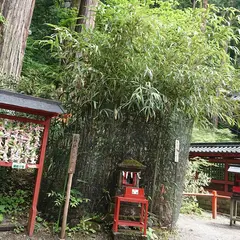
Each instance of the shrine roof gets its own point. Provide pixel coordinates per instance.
(227, 147)
(29, 104)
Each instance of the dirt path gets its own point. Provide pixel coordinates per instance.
(192, 227)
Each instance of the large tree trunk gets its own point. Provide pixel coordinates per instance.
(104, 143)
(14, 33)
(205, 4)
(86, 14)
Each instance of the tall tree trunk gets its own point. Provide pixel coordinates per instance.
(104, 143)
(194, 3)
(86, 14)
(14, 33)
(205, 4)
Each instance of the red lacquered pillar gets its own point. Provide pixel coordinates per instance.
(33, 210)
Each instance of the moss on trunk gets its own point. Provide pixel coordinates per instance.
(105, 144)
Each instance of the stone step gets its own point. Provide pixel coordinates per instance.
(123, 234)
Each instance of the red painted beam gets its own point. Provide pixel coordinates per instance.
(130, 223)
(222, 181)
(214, 196)
(22, 119)
(9, 164)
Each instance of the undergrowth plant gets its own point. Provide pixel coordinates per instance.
(85, 226)
(75, 198)
(196, 180)
(13, 206)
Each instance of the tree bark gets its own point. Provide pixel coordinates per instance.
(14, 33)
(194, 4)
(205, 4)
(86, 14)
(106, 143)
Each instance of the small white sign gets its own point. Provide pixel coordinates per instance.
(135, 191)
(19, 165)
(177, 149)
(32, 166)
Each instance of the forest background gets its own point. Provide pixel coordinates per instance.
(134, 80)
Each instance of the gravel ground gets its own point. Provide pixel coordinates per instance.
(189, 227)
(193, 227)
(44, 236)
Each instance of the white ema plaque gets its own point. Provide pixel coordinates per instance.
(135, 191)
(19, 165)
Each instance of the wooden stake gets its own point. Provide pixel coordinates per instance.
(71, 170)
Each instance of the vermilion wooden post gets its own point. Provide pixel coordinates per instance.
(214, 204)
(33, 210)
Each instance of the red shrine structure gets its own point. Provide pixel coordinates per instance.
(221, 156)
(128, 193)
(24, 109)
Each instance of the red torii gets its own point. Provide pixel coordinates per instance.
(44, 108)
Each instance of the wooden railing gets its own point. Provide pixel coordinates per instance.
(214, 196)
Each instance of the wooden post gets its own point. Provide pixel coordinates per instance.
(71, 170)
(214, 204)
(33, 210)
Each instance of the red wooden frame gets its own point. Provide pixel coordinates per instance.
(133, 198)
(219, 157)
(39, 166)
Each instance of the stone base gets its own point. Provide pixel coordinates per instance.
(128, 235)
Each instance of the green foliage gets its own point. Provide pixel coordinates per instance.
(193, 183)
(19, 229)
(42, 225)
(84, 226)
(219, 3)
(75, 198)
(149, 61)
(151, 235)
(40, 71)
(226, 3)
(212, 135)
(8, 82)
(50, 11)
(2, 211)
(190, 206)
(2, 19)
(15, 202)
(195, 180)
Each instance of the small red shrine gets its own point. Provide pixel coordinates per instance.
(24, 126)
(129, 193)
